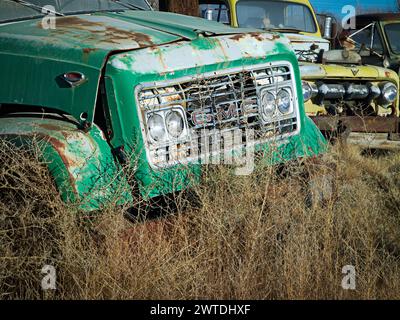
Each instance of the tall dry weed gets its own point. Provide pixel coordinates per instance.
(231, 237)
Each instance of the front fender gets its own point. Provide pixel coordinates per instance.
(80, 163)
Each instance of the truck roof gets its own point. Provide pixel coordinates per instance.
(378, 16)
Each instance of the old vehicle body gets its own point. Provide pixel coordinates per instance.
(345, 96)
(377, 38)
(112, 84)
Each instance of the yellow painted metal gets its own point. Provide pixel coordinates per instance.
(232, 5)
(342, 72)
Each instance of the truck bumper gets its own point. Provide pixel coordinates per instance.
(367, 132)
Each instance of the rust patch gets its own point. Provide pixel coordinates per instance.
(222, 49)
(255, 35)
(297, 39)
(76, 22)
(60, 148)
(89, 50)
(154, 48)
(51, 127)
(366, 124)
(239, 36)
(258, 36)
(57, 144)
(157, 51)
(98, 32)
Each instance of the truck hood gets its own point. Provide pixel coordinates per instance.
(89, 38)
(34, 60)
(311, 71)
(304, 42)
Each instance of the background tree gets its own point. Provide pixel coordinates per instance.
(188, 7)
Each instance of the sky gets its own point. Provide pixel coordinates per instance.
(335, 6)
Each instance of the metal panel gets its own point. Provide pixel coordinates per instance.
(230, 101)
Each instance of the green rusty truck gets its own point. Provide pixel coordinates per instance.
(105, 84)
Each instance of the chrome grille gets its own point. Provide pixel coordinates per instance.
(224, 102)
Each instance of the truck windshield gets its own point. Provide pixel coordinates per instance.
(275, 15)
(12, 11)
(393, 34)
(27, 9)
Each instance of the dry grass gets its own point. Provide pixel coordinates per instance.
(230, 238)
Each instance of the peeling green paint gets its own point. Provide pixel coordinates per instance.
(123, 51)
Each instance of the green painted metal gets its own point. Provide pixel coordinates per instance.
(81, 163)
(126, 50)
(178, 60)
(81, 43)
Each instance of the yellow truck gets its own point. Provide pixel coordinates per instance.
(343, 96)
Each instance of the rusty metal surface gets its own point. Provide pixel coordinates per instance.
(81, 163)
(203, 52)
(83, 43)
(368, 124)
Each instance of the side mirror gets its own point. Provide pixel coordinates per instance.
(328, 26)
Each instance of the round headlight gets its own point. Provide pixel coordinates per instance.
(268, 105)
(175, 124)
(156, 128)
(310, 90)
(283, 101)
(389, 93)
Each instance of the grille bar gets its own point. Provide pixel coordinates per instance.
(224, 102)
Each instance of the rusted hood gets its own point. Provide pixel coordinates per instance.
(88, 39)
(33, 60)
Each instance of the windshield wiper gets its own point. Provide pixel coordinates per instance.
(128, 5)
(37, 8)
(284, 30)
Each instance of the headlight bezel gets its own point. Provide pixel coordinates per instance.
(275, 112)
(311, 88)
(168, 136)
(384, 100)
(149, 118)
(169, 114)
(267, 115)
(289, 93)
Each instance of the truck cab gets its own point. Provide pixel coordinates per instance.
(376, 38)
(111, 87)
(343, 95)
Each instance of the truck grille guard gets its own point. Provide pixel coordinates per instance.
(214, 105)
